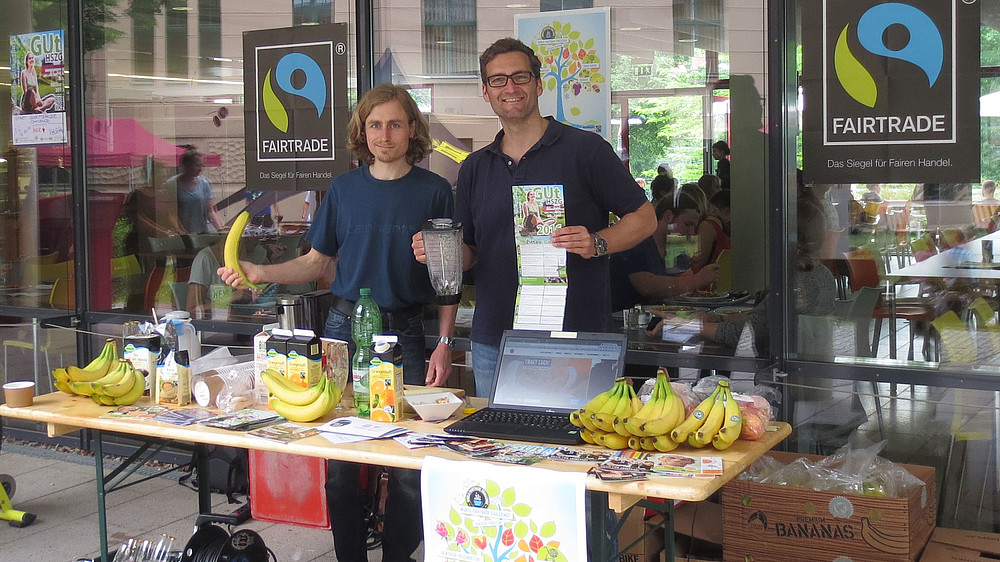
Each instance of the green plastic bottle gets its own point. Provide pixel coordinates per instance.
(366, 323)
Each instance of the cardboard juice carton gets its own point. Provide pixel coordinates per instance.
(260, 348)
(385, 379)
(277, 350)
(173, 379)
(337, 367)
(304, 358)
(143, 352)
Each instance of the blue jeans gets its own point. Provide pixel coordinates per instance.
(402, 530)
(410, 334)
(484, 366)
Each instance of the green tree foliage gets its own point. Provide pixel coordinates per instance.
(98, 15)
(672, 127)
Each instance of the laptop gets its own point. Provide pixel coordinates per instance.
(540, 378)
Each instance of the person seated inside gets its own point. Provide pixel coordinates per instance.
(815, 288)
(639, 275)
(714, 234)
(710, 184)
(985, 210)
(663, 184)
(203, 275)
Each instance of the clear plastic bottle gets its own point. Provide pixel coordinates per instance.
(366, 323)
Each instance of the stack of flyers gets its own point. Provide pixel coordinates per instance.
(284, 432)
(139, 412)
(617, 474)
(185, 417)
(510, 453)
(414, 440)
(664, 464)
(243, 420)
(351, 429)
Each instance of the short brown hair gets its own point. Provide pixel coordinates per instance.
(509, 45)
(420, 144)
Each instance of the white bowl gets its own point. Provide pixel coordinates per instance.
(435, 406)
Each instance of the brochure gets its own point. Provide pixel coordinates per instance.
(665, 464)
(284, 432)
(541, 267)
(243, 420)
(185, 417)
(510, 453)
(361, 427)
(136, 412)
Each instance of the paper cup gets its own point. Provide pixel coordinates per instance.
(19, 393)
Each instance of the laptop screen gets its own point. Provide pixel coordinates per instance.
(555, 371)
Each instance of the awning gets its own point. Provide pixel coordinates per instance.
(120, 143)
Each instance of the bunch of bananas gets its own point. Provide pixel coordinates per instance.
(231, 251)
(617, 419)
(299, 404)
(716, 420)
(107, 380)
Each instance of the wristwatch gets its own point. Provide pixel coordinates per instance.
(600, 245)
(447, 340)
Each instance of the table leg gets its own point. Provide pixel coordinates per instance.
(102, 515)
(891, 295)
(204, 487)
(603, 533)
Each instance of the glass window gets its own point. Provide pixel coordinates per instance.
(450, 37)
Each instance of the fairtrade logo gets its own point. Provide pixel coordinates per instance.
(313, 89)
(925, 48)
(757, 520)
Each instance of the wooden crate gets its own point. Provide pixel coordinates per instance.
(767, 522)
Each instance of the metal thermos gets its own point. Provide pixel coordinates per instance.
(288, 309)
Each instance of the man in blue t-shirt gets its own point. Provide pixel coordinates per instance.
(534, 150)
(363, 228)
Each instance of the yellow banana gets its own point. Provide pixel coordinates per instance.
(597, 402)
(123, 386)
(308, 412)
(575, 419)
(102, 399)
(231, 252)
(693, 441)
(652, 409)
(714, 420)
(646, 443)
(602, 419)
(96, 368)
(64, 386)
(115, 374)
(612, 440)
(733, 424)
(633, 443)
(135, 393)
(664, 444)
(588, 436)
(61, 380)
(722, 443)
(288, 392)
(624, 409)
(696, 419)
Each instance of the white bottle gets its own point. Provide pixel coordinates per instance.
(187, 336)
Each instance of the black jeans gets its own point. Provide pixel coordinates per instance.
(403, 529)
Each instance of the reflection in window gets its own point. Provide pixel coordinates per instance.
(450, 37)
(308, 12)
(552, 5)
(209, 37)
(177, 38)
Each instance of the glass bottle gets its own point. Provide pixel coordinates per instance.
(366, 323)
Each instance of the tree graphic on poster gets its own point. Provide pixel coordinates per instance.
(510, 536)
(570, 67)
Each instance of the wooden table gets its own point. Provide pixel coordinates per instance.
(62, 414)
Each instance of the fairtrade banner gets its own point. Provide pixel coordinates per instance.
(295, 83)
(474, 512)
(891, 91)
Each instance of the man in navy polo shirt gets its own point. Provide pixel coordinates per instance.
(535, 150)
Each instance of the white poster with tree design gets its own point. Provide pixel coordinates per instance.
(482, 512)
(574, 49)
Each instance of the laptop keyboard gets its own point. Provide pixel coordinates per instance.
(518, 425)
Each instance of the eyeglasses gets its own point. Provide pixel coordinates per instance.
(500, 80)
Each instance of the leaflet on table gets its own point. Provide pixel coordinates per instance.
(541, 267)
(184, 417)
(243, 420)
(360, 427)
(496, 451)
(136, 412)
(284, 432)
(659, 464)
